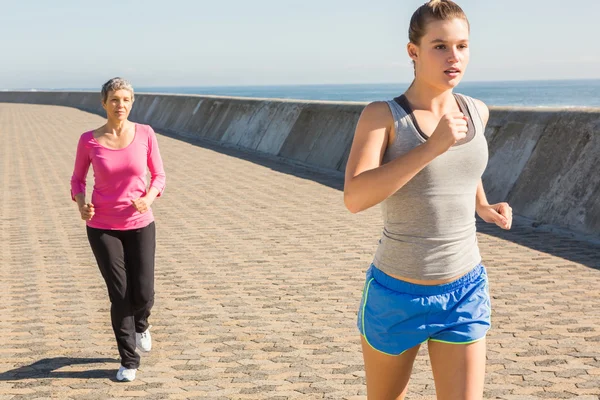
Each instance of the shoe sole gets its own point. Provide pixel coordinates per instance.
(123, 379)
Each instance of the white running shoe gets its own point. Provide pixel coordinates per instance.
(143, 341)
(125, 374)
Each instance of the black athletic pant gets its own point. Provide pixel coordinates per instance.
(126, 262)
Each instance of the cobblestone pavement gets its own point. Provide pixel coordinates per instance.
(259, 274)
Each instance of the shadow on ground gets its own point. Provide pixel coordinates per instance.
(47, 368)
(560, 244)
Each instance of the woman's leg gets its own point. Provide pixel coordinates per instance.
(458, 350)
(140, 246)
(108, 250)
(387, 376)
(458, 369)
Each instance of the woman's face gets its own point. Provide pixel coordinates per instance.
(118, 104)
(443, 54)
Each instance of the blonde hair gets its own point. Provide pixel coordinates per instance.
(113, 85)
(434, 10)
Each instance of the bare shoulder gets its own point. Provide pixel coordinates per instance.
(370, 138)
(377, 110)
(375, 115)
(483, 110)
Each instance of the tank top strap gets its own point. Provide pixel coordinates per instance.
(468, 103)
(397, 111)
(402, 122)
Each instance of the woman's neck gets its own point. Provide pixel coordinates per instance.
(116, 127)
(423, 96)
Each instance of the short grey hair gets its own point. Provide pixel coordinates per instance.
(115, 84)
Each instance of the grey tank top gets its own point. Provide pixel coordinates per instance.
(429, 224)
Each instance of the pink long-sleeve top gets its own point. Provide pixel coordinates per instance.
(119, 178)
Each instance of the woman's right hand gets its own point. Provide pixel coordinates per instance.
(87, 211)
(451, 129)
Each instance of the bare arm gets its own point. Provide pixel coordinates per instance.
(152, 194)
(480, 197)
(80, 200)
(500, 213)
(484, 113)
(87, 211)
(368, 182)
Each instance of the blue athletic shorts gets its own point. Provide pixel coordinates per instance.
(396, 315)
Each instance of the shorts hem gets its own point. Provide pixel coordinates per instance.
(468, 342)
(390, 354)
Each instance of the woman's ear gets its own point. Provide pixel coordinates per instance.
(413, 51)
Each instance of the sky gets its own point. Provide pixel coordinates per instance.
(82, 43)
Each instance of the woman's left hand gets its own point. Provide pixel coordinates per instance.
(142, 204)
(499, 214)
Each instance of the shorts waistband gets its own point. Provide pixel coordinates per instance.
(426, 290)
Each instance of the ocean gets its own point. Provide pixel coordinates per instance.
(565, 93)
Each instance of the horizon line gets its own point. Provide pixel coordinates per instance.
(303, 84)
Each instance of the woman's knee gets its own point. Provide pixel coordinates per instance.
(144, 298)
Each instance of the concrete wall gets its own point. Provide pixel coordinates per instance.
(543, 161)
